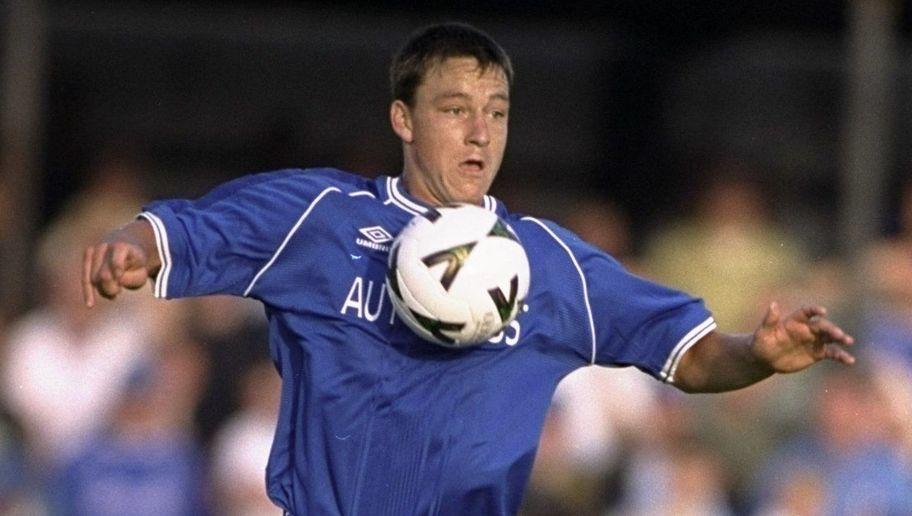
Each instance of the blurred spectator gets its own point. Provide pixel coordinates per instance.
(729, 252)
(241, 448)
(671, 471)
(148, 460)
(848, 462)
(15, 490)
(888, 265)
(892, 379)
(118, 172)
(64, 365)
(596, 414)
(557, 485)
(233, 332)
(603, 224)
(743, 427)
(802, 492)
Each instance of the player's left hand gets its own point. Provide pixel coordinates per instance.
(800, 340)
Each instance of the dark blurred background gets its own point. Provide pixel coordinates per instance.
(636, 99)
(743, 151)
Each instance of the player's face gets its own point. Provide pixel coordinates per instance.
(455, 134)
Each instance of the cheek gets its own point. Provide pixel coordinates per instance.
(433, 150)
(498, 132)
(500, 144)
(440, 144)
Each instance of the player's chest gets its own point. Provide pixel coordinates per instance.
(335, 272)
(335, 266)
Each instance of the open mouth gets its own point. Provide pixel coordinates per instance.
(472, 165)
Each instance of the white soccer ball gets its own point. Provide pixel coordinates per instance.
(457, 275)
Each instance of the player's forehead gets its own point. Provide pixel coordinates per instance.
(464, 76)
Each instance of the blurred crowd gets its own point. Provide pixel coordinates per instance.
(159, 407)
(829, 441)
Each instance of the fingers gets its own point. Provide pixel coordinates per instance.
(103, 275)
(98, 258)
(838, 354)
(828, 336)
(810, 322)
(119, 257)
(826, 331)
(108, 268)
(88, 291)
(134, 278)
(772, 315)
(806, 313)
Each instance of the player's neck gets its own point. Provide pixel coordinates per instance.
(419, 190)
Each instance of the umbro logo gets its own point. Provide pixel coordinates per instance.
(375, 237)
(376, 234)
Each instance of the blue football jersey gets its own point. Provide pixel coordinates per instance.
(373, 420)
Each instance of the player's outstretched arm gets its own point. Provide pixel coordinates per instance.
(126, 258)
(723, 362)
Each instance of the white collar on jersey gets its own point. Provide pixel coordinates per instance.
(397, 196)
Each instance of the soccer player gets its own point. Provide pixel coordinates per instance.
(373, 420)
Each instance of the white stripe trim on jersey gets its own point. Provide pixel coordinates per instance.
(490, 203)
(389, 191)
(401, 200)
(160, 286)
(686, 342)
(392, 186)
(579, 271)
(156, 231)
(362, 193)
(288, 237)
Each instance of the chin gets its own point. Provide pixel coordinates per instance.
(472, 195)
(471, 191)
(475, 198)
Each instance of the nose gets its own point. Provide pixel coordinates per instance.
(478, 131)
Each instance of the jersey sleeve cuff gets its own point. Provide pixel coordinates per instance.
(686, 342)
(160, 286)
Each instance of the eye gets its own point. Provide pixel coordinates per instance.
(498, 114)
(454, 110)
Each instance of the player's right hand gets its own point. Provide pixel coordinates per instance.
(124, 259)
(791, 343)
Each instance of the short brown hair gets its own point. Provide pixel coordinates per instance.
(434, 44)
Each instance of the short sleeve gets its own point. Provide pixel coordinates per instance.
(218, 243)
(639, 322)
(635, 322)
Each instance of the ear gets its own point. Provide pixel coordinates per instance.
(401, 120)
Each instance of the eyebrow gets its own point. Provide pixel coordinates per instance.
(456, 94)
